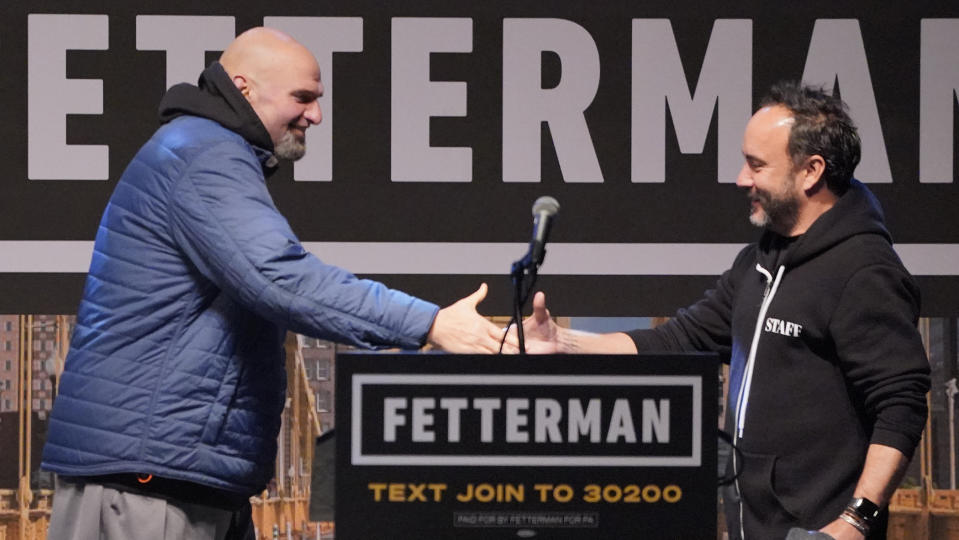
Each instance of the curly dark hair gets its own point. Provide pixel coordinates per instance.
(822, 127)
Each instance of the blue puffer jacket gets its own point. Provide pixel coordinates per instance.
(176, 367)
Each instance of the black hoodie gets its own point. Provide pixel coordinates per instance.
(216, 97)
(826, 359)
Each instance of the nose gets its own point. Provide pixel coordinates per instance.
(745, 179)
(313, 114)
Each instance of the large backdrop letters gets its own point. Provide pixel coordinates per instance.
(445, 120)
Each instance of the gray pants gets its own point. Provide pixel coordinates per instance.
(90, 511)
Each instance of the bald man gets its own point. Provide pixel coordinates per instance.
(283, 94)
(169, 404)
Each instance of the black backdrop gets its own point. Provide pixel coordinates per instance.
(363, 204)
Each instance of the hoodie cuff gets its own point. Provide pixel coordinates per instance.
(903, 436)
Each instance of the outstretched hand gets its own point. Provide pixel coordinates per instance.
(541, 334)
(459, 328)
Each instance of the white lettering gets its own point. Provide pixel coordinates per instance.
(656, 420)
(837, 54)
(526, 105)
(621, 423)
(185, 39)
(323, 36)
(516, 419)
(547, 416)
(938, 88)
(584, 423)
(415, 99)
(51, 97)
(724, 83)
(391, 417)
(486, 407)
(781, 327)
(548, 413)
(423, 420)
(453, 407)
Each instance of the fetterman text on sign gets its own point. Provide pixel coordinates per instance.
(435, 419)
(440, 446)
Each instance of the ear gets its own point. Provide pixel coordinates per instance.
(242, 85)
(812, 170)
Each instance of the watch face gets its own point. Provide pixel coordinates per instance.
(865, 507)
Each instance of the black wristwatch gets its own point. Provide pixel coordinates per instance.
(864, 508)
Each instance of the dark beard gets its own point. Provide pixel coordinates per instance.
(781, 213)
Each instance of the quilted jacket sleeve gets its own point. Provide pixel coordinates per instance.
(224, 220)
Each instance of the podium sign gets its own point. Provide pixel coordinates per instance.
(577, 446)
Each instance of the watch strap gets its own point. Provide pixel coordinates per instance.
(864, 508)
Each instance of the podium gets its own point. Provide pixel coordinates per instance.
(565, 446)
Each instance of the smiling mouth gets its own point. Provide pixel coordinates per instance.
(298, 132)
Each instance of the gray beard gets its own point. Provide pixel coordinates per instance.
(289, 147)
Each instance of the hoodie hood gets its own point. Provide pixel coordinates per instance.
(216, 97)
(856, 212)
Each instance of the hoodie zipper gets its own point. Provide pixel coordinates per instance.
(742, 400)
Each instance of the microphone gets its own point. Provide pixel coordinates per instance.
(523, 272)
(544, 211)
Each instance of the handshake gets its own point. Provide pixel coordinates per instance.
(459, 328)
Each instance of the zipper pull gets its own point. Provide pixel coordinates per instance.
(769, 279)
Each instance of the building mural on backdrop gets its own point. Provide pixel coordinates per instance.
(443, 121)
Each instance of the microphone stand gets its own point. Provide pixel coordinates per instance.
(523, 271)
(523, 274)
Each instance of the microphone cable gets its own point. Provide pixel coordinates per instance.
(725, 480)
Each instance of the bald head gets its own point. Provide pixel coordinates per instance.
(281, 80)
(257, 50)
